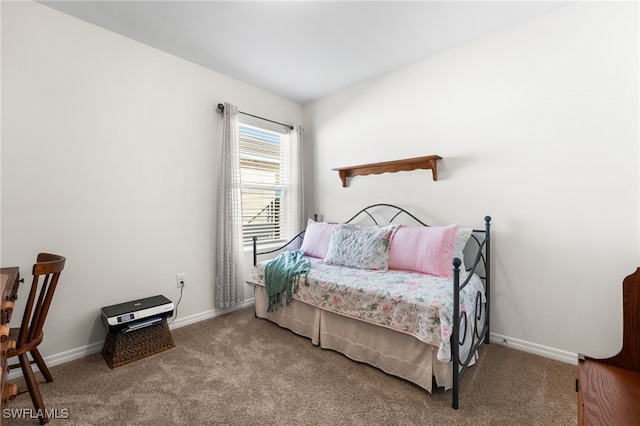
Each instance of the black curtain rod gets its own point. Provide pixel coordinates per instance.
(221, 109)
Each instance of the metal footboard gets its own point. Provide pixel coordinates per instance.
(481, 322)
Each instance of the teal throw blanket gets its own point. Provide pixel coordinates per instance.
(283, 274)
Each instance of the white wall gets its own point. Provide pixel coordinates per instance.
(110, 150)
(538, 127)
(110, 155)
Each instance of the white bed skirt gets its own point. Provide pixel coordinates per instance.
(391, 351)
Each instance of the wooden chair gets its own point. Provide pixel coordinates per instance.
(29, 335)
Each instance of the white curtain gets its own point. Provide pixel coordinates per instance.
(298, 221)
(229, 286)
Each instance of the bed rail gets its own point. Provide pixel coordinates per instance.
(373, 213)
(295, 241)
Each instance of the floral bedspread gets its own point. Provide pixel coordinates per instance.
(417, 304)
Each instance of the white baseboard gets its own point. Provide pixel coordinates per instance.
(192, 319)
(73, 354)
(534, 348)
(93, 348)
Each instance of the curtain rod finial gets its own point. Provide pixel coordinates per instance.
(220, 107)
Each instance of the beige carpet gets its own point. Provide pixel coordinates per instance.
(238, 370)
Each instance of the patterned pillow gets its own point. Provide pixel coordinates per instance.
(360, 247)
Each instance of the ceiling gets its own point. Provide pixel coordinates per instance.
(304, 50)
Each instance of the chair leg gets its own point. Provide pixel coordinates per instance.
(34, 390)
(41, 365)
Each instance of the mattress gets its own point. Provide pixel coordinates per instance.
(416, 304)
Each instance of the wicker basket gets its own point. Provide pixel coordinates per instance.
(123, 348)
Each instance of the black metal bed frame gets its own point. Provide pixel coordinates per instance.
(481, 264)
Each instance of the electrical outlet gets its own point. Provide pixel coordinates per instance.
(182, 280)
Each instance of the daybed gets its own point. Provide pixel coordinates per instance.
(397, 317)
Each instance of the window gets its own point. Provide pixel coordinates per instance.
(264, 177)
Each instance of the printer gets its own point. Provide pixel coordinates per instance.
(136, 314)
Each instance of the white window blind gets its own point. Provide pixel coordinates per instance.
(264, 177)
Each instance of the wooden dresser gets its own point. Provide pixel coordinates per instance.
(609, 389)
(9, 282)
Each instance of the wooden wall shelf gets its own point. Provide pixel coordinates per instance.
(428, 162)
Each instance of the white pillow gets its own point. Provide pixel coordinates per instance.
(462, 237)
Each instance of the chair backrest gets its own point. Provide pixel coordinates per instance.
(48, 268)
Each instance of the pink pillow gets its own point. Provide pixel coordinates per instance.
(316, 239)
(426, 249)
